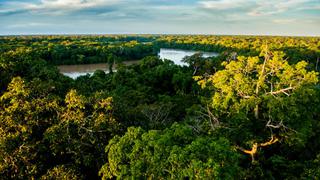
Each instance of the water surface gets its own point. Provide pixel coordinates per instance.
(74, 71)
(175, 55)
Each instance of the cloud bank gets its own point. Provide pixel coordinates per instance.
(284, 17)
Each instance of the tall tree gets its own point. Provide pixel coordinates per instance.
(259, 93)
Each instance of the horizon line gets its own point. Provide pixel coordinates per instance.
(154, 34)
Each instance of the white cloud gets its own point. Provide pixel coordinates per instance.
(12, 6)
(271, 7)
(223, 4)
(284, 21)
(258, 7)
(223, 16)
(315, 7)
(56, 6)
(27, 25)
(70, 4)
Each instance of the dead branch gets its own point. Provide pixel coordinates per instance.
(270, 142)
(284, 91)
(251, 152)
(280, 125)
(255, 147)
(158, 114)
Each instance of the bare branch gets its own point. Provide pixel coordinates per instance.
(270, 142)
(255, 147)
(275, 126)
(285, 91)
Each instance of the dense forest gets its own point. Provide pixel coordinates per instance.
(252, 112)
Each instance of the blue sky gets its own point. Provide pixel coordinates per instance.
(260, 17)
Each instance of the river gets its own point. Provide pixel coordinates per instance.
(175, 55)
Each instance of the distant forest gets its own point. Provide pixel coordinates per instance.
(252, 112)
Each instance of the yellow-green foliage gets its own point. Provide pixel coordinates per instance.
(21, 118)
(235, 86)
(61, 172)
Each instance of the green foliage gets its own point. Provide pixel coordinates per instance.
(312, 171)
(35, 129)
(54, 127)
(80, 134)
(170, 154)
(253, 98)
(236, 85)
(61, 172)
(23, 119)
(262, 91)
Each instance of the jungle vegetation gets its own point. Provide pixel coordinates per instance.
(253, 112)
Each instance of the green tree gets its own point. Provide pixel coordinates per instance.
(195, 61)
(257, 96)
(62, 172)
(174, 153)
(80, 135)
(23, 120)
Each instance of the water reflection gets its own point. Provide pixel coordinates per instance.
(74, 71)
(175, 55)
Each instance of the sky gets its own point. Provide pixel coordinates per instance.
(217, 17)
